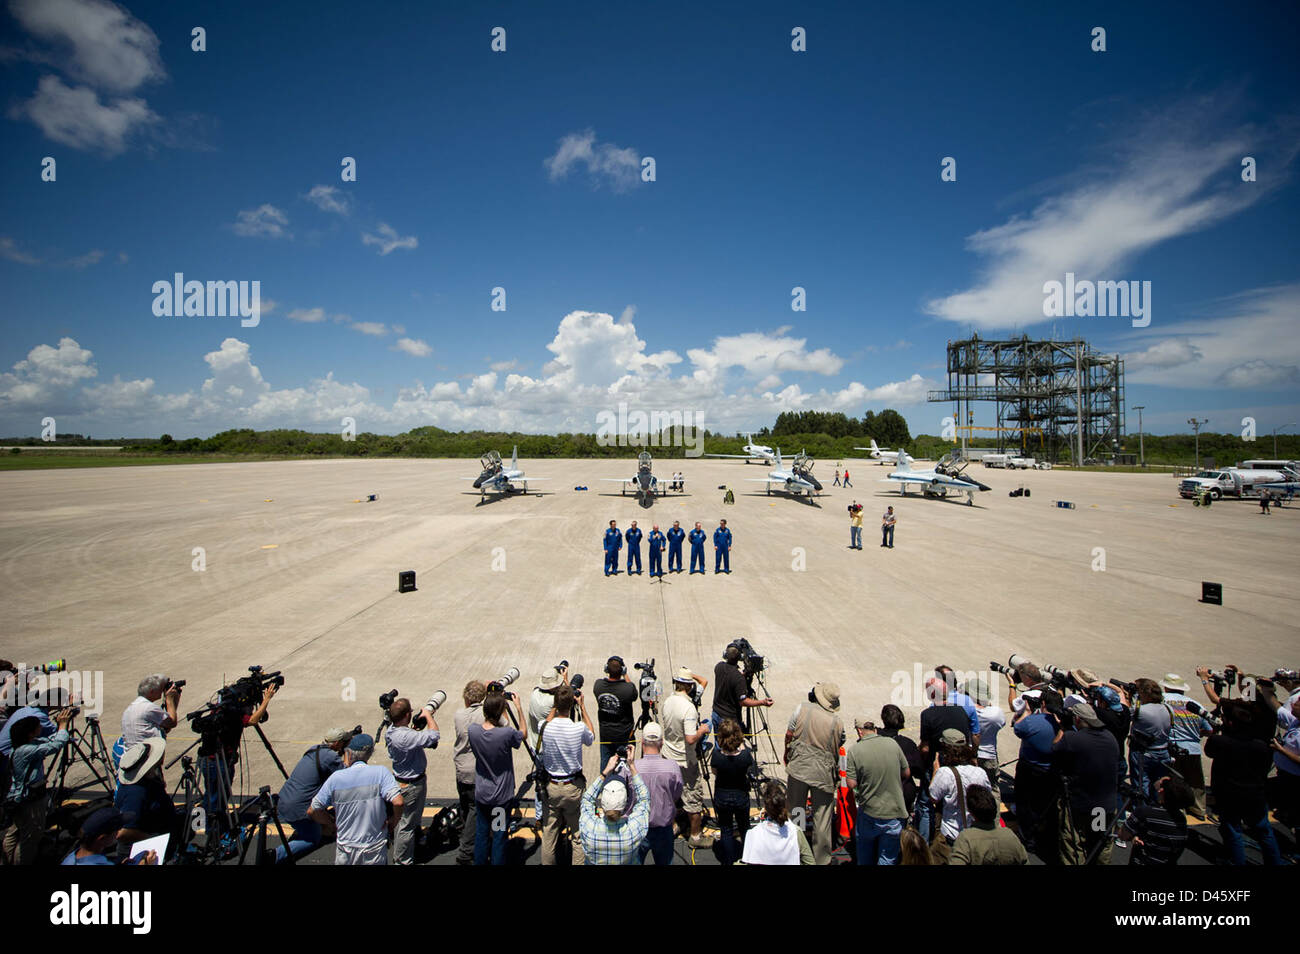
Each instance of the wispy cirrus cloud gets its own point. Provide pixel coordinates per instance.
(605, 164)
(329, 198)
(387, 239)
(265, 221)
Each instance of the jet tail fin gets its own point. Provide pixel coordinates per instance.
(778, 458)
(903, 461)
(874, 448)
(514, 458)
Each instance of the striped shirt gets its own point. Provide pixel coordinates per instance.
(1163, 835)
(616, 843)
(562, 742)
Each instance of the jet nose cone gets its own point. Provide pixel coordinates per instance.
(817, 484)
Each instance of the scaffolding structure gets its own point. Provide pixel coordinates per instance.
(1071, 393)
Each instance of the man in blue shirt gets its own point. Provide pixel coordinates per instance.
(675, 537)
(697, 539)
(1035, 787)
(613, 543)
(358, 793)
(27, 800)
(98, 835)
(633, 548)
(957, 698)
(317, 764)
(657, 542)
(406, 747)
(722, 548)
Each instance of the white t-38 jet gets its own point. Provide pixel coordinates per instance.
(496, 478)
(945, 477)
(752, 452)
(795, 480)
(643, 483)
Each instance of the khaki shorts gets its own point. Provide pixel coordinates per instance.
(692, 788)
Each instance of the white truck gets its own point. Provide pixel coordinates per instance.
(1228, 482)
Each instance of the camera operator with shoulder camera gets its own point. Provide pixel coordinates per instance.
(26, 801)
(684, 735)
(406, 746)
(562, 742)
(855, 525)
(316, 765)
(221, 728)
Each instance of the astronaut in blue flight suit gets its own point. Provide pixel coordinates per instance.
(722, 548)
(697, 538)
(657, 541)
(613, 543)
(633, 537)
(675, 537)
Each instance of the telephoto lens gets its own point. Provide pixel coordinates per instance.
(436, 700)
(511, 675)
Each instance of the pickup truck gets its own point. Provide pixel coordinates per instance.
(1229, 482)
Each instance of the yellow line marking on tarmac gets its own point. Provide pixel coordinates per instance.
(270, 546)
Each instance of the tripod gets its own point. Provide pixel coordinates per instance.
(756, 726)
(87, 746)
(267, 812)
(532, 778)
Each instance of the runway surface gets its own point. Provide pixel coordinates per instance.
(98, 566)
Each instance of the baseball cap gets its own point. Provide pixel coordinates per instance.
(101, 822)
(653, 732)
(953, 736)
(360, 742)
(864, 722)
(1086, 714)
(338, 734)
(613, 797)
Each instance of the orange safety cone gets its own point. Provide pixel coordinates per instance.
(845, 804)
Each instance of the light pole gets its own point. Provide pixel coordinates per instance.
(1196, 429)
(1142, 451)
(1275, 430)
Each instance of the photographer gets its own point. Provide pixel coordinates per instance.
(473, 695)
(684, 732)
(1085, 759)
(1148, 738)
(731, 691)
(1188, 728)
(219, 749)
(855, 524)
(892, 722)
(876, 773)
(1159, 832)
(614, 837)
(1035, 788)
(406, 747)
(541, 701)
(316, 765)
(357, 793)
(732, 764)
(663, 779)
(142, 797)
(1286, 757)
(1240, 765)
(148, 718)
(493, 745)
(812, 751)
(949, 789)
(562, 741)
(615, 698)
(26, 801)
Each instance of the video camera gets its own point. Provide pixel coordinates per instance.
(855, 508)
(239, 698)
(650, 688)
(754, 663)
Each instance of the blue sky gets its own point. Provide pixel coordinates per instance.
(521, 169)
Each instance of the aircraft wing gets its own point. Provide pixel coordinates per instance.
(739, 456)
(620, 480)
(767, 480)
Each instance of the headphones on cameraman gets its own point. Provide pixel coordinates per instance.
(622, 670)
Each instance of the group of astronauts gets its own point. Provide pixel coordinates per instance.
(658, 541)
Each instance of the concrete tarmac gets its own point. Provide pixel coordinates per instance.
(300, 575)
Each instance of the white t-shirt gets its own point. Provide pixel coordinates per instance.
(944, 788)
(540, 705)
(769, 844)
(992, 719)
(142, 720)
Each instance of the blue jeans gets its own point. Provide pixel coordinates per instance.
(1230, 829)
(887, 536)
(855, 538)
(732, 808)
(306, 836)
(490, 838)
(659, 841)
(878, 839)
(697, 555)
(924, 810)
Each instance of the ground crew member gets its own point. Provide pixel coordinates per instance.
(887, 528)
(846, 478)
(657, 542)
(697, 538)
(722, 548)
(675, 537)
(633, 548)
(613, 543)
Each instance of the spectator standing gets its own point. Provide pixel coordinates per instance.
(357, 793)
(775, 840)
(406, 747)
(562, 740)
(812, 752)
(983, 842)
(663, 779)
(493, 745)
(876, 772)
(732, 764)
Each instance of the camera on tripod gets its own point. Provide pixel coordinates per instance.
(749, 657)
(650, 689)
(1012, 668)
(240, 698)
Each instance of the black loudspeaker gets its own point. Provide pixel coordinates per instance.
(1212, 593)
(406, 581)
